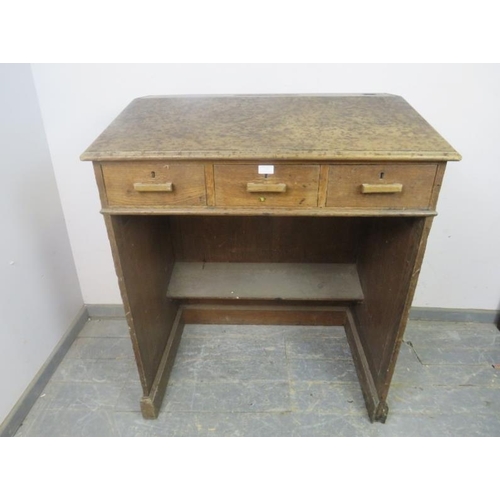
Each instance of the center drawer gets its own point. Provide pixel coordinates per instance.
(242, 185)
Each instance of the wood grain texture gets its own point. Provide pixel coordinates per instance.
(241, 314)
(320, 240)
(268, 211)
(386, 263)
(313, 127)
(381, 188)
(210, 184)
(278, 281)
(151, 403)
(143, 255)
(377, 407)
(323, 185)
(438, 181)
(100, 184)
(393, 344)
(148, 187)
(301, 186)
(262, 187)
(346, 181)
(187, 182)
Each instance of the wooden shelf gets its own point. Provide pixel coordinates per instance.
(268, 281)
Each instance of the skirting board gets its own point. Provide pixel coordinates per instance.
(416, 313)
(15, 418)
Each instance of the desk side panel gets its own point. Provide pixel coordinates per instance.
(385, 267)
(143, 255)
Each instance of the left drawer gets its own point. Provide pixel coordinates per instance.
(154, 184)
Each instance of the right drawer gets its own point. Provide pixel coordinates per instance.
(381, 186)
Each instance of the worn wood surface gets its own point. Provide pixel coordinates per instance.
(345, 186)
(148, 187)
(381, 188)
(376, 406)
(100, 184)
(262, 187)
(187, 184)
(287, 212)
(386, 264)
(323, 185)
(320, 240)
(278, 281)
(240, 314)
(349, 126)
(301, 186)
(210, 184)
(151, 401)
(143, 255)
(393, 344)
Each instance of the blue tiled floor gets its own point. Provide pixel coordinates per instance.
(274, 381)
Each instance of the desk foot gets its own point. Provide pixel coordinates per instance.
(377, 409)
(151, 403)
(381, 412)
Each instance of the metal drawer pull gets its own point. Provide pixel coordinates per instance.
(381, 188)
(260, 187)
(167, 187)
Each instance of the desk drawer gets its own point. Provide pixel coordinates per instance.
(381, 186)
(289, 186)
(154, 184)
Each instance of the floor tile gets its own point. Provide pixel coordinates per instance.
(446, 375)
(205, 424)
(327, 397)
(441, 334)
(94, 370)
(101, 348)
(444, 400)
(308, 332)
(75, 423)
(241, 346)
(434, 355)
(82, 396)
(219, 368)
(105, 328)
(456, 425)
(241, 396)
(129, 397)
(339, 370)
(132, 424)
(328, 425)
(317, 347)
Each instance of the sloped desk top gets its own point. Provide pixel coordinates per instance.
(304, 127)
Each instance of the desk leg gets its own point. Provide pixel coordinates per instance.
(143, 256)
(389, 264)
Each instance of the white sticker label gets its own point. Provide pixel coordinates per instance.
(266, 169)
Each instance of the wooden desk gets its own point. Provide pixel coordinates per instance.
(295, 210)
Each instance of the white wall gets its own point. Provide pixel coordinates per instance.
(462, 264)
(39, 290)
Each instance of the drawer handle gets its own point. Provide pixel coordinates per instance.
(143, 187)
(260, 187)
(381, 188)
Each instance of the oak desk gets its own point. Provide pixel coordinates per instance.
(271, 209)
